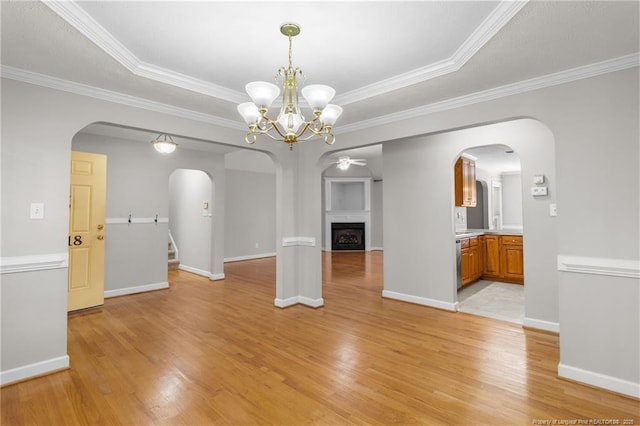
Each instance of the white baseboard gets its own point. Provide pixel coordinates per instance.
(285, 303)
(313, 303)
(377, 248)
(194, 270)
(420, 300)
(136, 289)
(299, 300)
(614, 384)
(34, 370)
(541, 325)
(249, 257)
(216, 277)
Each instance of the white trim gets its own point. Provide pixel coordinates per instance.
(298, 241)
(34, 370)
(137, 289)
(314, 303)
(174, 247)
(562, 77)
(541, 325)
(249, 257)
(135, 220)
(37, 262)
(216, 277)
(194, 270)
(285, 303)
(420, 300)
(299, 300)
(119, 98)
(90, 28)
(377, 249)
(599, 266)
(614, 384)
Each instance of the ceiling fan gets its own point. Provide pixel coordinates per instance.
(343, 163)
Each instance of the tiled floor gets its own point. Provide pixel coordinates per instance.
(493, 299)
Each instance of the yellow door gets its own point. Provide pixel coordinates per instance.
(86, 230)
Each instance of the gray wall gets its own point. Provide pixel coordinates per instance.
(138, 184)
(512, 200)
(250, 215)
(189, 222)
(593, 124)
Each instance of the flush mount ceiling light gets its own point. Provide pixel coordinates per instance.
(290, 126)
(164, 144)
(343, 163)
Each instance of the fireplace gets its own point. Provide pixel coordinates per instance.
(347, 236)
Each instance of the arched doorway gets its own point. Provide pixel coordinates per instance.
(191, 195)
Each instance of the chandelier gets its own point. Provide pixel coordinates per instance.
(290, 126)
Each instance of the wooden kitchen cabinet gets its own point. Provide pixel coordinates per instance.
(471, 260)
(465, 182)
(491, 257)
(503, 258)
(512, 259)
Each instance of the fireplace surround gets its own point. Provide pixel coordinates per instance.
(348, 202)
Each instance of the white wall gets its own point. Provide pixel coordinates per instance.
(189, 221)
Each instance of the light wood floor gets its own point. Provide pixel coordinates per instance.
(205, 352)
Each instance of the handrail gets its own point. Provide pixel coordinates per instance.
(173, 244)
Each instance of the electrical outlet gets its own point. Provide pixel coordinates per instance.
(538, 191)
(257, 246)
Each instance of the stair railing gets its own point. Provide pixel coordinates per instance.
(174, 246)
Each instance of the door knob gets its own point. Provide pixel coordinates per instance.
(101, 237)
(100, 227)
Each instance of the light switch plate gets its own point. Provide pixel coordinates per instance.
(36, 211)
(538, 179)
(553, 210)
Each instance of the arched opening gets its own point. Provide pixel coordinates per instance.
(191, 195)
(489, 234)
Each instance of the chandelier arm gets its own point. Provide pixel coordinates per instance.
(274, 125)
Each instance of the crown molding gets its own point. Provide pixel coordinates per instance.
(481, 35)
(562, 77)
(77, 17)
(90, 28)
(116, 97)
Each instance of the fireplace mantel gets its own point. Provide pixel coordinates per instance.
(347, 200)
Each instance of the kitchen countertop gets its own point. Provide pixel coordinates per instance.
(475, 232)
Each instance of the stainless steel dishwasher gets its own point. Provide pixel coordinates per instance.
(458, 263)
